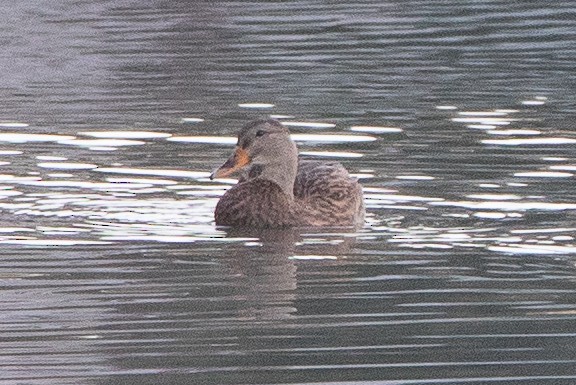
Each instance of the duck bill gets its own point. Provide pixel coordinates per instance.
(237, 161)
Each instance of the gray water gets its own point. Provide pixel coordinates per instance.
(456, 116)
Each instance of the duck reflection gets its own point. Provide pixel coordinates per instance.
(267, 266)
(267, 275)
(192, 309)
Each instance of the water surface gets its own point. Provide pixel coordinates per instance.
(457, 119)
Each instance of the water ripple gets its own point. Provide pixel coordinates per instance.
(455, 115)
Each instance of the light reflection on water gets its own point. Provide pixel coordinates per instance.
(146, 206)
(454, 116)
(176, 205)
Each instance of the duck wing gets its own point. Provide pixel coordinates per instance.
(327, 195)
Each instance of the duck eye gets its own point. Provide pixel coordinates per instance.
(260, 133)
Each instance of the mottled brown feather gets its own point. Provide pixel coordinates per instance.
(324, 195)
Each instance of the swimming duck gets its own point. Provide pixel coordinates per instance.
(276, 190)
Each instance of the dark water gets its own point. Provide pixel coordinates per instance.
(458, 118)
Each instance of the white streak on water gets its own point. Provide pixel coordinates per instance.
(101, 142)
(482, 113)
(51, 242)
(12, 137)
(125, 134)
(508, 206)
(14, 124)
(204, 139)
(514, 132)
(309, 124)
(494, 197)
(67, 165)
(51, 158)
(142, 180)
(415, 177)
(533, 102)
(159, 172)
(490, 215)
(332, 138)
(543, 231)
(376, 129)
(327, 138)
(255, 105)
(485, 120)
(15, 229)
(530, 141)
(544, 174)
(563, 167)
(335, 154)
(534, 249)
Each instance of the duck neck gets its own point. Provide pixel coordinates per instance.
(281, 170)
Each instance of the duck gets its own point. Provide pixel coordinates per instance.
(277, 190)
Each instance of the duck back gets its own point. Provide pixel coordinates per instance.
(327, 195)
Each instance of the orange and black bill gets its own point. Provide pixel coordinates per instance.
(236, 162)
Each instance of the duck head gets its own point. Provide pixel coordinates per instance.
(265, 150)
